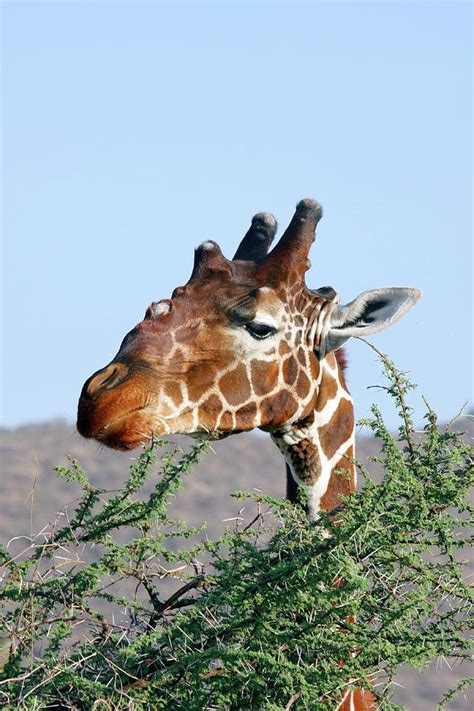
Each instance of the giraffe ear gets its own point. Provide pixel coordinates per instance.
(370, 312)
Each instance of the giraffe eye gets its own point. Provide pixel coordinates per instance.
(260, 330)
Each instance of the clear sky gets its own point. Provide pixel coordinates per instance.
(132, 131)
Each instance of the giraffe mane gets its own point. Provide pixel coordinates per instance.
(342, 359)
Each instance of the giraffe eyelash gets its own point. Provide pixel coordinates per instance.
(259, 330)
(243, 311)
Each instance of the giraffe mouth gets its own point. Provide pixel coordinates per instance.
(129, 431)
(120, 436)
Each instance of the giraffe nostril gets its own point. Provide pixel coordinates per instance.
(107, 378)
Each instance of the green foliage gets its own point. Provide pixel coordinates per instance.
(123, 607)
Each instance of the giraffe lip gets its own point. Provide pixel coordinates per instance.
(116, 435)
(202, 434)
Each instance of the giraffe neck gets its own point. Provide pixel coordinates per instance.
(318, 448)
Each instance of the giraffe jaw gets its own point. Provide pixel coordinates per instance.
(128, 431)
(122, 435)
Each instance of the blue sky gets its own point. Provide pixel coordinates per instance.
(131, 132)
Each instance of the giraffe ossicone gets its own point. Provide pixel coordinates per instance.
(244, 344)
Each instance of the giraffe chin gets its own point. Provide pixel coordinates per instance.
(130, 431)
(125, 441)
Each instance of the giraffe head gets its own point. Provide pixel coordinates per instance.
(239, 346)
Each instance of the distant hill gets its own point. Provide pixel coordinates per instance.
(31, 494)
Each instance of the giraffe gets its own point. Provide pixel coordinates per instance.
(246, 344)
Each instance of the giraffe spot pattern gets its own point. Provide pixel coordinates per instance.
(209, 412)
(339, 428)
(314, 367)
(290, 370)
(342, 482)
(226, 421)
(264, 376)
(173, 392)
(202, 377)
(235, 386)
(302, 385)
(246, 415)
(327, 391)
(279, 408)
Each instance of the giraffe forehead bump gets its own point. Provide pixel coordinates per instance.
(157, 309)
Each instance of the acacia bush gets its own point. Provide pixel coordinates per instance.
(117, 606)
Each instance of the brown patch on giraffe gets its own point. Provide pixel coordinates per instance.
(314, 366)
(358, 700)
(327, 391)
(202, 377)
(277, 409)
(235, 386)
(341, 482)
(290, 370)
(173, 391)
(264, 376)
(245, 416)
(338, 429)
(305, 461)
(283, 348)
(346, 704)
(301, 356)
(302, 385)
(298, 338)
(364, 700)
(226, 421)
(331, 360)
(209, 411)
